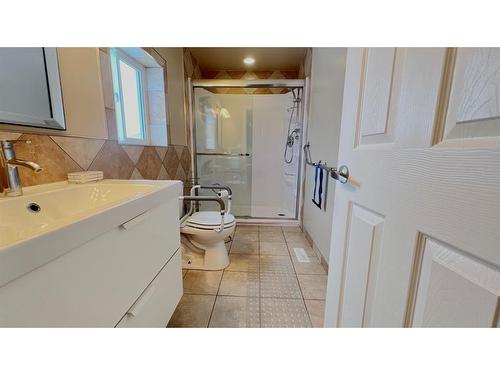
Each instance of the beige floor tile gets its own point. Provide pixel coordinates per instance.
(246, 236)
(291, 228)
(245, 247)
(311, 268)
(243, 262)
(202, 282)
(316, 310)
(273, 248)
(298, 240)
(283, 313)
(270, 228)
(313, 286)
(276, 264)
(251, 228)
(192, 311)
(279, 286)
(271, 237)
(236, 312)
(243, 284)
(295, 237)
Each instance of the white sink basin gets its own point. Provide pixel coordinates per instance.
(69, 215)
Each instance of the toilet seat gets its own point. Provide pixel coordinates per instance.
(209, 220)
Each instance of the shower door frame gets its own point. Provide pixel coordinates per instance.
(257, 83)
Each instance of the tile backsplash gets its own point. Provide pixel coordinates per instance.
(59, 155)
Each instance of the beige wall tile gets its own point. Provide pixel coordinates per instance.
(43, 150)
(136, 175)
(133, 152)
(113, 161)
(149, 163)
(81, 150)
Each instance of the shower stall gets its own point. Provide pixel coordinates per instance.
(248, 135)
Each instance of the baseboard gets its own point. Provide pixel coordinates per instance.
(322, 259)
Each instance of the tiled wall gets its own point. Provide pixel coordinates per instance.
(60, 155)
(193, 70)
(232, 74)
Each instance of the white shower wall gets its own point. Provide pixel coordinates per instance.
(274, 183)
(264, 186)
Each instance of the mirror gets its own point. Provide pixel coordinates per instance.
(30, 88)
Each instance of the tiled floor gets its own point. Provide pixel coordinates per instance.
(274, 280)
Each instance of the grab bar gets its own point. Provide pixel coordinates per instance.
(220, 187)
(206, 199)
(341, 174)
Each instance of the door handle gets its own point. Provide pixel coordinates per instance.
(341, 174)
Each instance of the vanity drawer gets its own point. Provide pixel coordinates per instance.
(157, 303)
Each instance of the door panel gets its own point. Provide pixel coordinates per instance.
(365, 232)
(453, 288)
(376, 86)
(474, 109)
(416, 181)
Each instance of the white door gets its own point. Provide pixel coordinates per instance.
(416, 232)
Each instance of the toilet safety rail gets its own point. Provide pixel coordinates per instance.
(200, 198)
(219, 193)
(218, 198)
(341, 174)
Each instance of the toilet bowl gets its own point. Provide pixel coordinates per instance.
(203, 241)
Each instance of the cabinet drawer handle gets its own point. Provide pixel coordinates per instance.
(141, 301)
(136, 220)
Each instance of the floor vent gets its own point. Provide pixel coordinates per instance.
(301, 255)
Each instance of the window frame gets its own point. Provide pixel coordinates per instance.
(118, 55)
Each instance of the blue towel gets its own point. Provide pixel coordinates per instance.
(318, 198)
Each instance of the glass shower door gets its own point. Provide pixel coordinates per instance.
(223, 125)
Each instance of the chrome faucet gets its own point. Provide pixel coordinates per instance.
(10, 183)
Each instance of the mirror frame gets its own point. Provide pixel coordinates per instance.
(56, 121)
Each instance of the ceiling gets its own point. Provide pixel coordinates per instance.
(232, 58)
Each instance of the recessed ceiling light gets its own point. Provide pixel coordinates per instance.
(249, 60)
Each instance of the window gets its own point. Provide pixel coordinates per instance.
(129, 95)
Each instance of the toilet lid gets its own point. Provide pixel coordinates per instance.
(209, 218)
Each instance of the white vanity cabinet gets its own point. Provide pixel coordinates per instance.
(129, 276)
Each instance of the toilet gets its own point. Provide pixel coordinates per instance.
(203, 239)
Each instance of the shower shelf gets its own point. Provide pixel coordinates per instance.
(341, 174)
